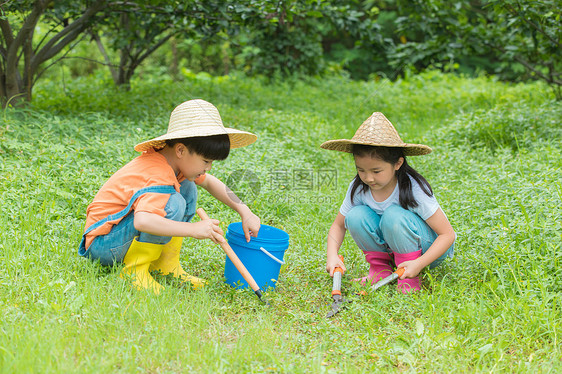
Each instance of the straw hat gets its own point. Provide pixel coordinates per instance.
(197, 118)
(376, 131)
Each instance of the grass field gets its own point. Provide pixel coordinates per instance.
(495, 169)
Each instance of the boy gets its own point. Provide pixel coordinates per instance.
(141, 214)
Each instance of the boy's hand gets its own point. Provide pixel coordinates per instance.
(208, 229)
(251, 225)
(333, 262)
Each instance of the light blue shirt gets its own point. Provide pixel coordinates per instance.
(427, 205)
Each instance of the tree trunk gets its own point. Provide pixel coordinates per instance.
(122, 80)
(174, 71)
(16, 90)
(114, 72)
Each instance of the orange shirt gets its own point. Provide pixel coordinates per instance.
(148, 169)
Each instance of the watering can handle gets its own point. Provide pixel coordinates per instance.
(272, 256)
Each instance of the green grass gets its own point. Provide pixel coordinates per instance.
(495, 169)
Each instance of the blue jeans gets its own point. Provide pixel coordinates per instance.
(396, 230)
(113, 247)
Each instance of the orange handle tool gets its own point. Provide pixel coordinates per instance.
(236, 261)
(397, 274)
(336, 286)
(336, 291)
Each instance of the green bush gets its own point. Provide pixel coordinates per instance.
(517, 126)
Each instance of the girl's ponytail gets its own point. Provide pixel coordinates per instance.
(392, 155)
(403, 174)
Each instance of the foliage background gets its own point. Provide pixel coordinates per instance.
(513, 40)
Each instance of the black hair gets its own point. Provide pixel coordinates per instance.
(392, 155)
(213, 147)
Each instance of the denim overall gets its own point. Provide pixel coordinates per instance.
(397, 230)
(112, 247)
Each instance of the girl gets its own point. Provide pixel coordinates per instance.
(389, 210)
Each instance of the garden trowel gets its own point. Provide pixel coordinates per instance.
(237, 263)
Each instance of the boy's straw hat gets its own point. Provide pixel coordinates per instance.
(197, 118)
(376, 131)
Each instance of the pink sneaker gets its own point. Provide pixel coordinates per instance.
(381, 267)
(409, 284)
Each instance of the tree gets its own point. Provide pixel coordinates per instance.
(289, 36)
(515, 39)
(21, 61)
(280, 36)
(133, 30)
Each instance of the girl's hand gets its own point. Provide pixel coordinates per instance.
(333, 262)
(208, 229)
(411, 268)
(251, 225)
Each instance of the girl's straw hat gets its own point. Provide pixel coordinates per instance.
(376, 131)
(197, 118)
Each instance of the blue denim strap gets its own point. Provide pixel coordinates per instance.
(112, 217)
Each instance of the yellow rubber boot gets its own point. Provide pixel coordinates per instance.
(169, 263)
(137, 262)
